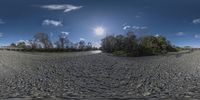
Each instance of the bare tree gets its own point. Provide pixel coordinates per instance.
(81, 44)
(89, 46)
(63, 41)
(33, 44)
(44, 39)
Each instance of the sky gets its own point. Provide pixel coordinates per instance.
(178, 20)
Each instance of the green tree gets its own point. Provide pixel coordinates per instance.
(13, 45)
(120, 43)
(131, 45)
(21, 45)
(108, 43)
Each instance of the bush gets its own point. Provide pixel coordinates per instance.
(129, 45)
(120, 53)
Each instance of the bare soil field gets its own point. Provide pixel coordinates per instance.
(99, 75)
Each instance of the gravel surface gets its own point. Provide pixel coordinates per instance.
(99, 75)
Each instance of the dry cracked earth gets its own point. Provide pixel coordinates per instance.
(88, 75)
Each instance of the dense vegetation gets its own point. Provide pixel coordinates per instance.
(126, 45)
(41, 42)
(130, 45)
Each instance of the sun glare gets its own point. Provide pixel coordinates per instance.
(99, 31)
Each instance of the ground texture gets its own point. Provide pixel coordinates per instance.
(99, 75)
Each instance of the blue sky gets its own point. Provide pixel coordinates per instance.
(178, 20)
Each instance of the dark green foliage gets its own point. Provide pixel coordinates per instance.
(21, 45)
(109, 44)
(120, 53)
(151, 45)
(131, 46)
(13, 45)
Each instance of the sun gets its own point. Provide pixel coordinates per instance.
(99, 31)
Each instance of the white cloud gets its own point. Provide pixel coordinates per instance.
(65, 7)
(196, 21)
(197, 36)
(136, 27)
(96, 44)
(49, 22)
(139, 27)
(27, 42)
(157, 35)
(180, 33)
(2, 22)
(66, 33)
(82, 39)
(126, 27)
(4, 44)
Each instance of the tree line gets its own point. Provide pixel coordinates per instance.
(42, 42)
(130, 45)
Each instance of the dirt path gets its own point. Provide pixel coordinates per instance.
(99, 75)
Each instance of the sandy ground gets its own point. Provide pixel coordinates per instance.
(91, 75)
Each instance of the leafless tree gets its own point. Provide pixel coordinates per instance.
(33, 44)
(89, 46)
(63, 41)
(44, 39)
(82, 45)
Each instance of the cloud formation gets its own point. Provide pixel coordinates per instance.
(196, 21)
(27, 42)
(49, 22)
(180, 33)
(128, 27)
(96, 44)
(65, 7)
(1, 21)
(157, 35)
(139, 27)
(197, 36)
(66, 33)
(82, 39)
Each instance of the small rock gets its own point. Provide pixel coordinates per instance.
(146, 93)
(139, 85)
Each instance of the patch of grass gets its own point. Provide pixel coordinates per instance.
(120, 53)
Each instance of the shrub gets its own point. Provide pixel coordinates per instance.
(120, 53)
(150, 45)
(129, 45)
